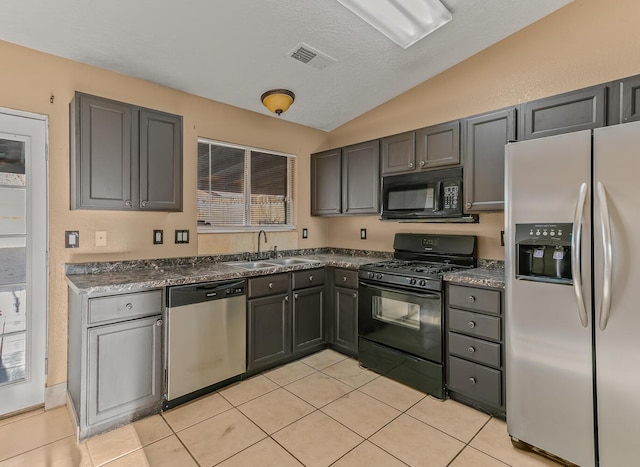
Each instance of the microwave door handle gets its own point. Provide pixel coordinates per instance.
(438, 203)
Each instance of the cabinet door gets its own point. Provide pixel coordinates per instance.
(438, 145)
(269, 331)
(572, 111)
(345, 330)
(101, 154)
(399, 153)
(308, 323)
(326, 189)
(630, 90)
(361, 178)
(160, 161)
(485, 138)
(124, 368)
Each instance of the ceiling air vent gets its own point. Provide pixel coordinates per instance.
(310, 56)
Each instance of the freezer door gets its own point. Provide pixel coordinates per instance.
(616, 167)
(548, 350)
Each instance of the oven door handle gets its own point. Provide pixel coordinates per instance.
(399, 291)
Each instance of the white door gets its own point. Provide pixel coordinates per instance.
(23, 260)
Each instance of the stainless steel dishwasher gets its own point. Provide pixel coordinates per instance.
(206, 337)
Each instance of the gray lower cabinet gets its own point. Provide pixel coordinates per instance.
(124, 157)
(344, 311)
(346, 181)
(308, 319)
(114, 358)
(269, 331)
(475, 347)
(584, 109)
(485, 138)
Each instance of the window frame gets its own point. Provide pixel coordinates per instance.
(291, 176)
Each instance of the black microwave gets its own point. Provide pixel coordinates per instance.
(425, 195)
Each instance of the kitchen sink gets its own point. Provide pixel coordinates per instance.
(292, 261)
(254, 265)
(270, 263)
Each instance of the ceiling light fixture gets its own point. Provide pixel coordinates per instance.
(278, 100)
(405, 22)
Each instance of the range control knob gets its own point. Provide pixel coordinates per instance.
(412, 281)
(423, 283)
(378, 276)
(370, 275)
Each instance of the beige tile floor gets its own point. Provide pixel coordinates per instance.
(319, 411)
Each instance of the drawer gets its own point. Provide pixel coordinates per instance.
(308, 278)
(471, 298)
(475, 324)
(345, 278)
(124, 307)
(268, 285)
(474, 349)
(476, 381)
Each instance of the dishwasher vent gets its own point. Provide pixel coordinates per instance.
(310, 56)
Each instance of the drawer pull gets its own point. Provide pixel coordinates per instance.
(310, 278)
(355, 295)
(344, 278)
(471, 298)
(129, 306)
(471, 324)
(159, 323)
(472, 380)
(295, 295)
(271, 285)
(286, 299)
(471, 349)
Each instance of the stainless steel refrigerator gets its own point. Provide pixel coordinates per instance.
(572, 285)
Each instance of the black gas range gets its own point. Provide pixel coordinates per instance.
(401, 309)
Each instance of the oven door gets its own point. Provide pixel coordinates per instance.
(405, 320)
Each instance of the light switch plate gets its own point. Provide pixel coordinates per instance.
(71, 239)
(305, 233)
(158, 237)
(363, 234)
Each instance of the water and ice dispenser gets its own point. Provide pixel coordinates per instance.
(543, 252)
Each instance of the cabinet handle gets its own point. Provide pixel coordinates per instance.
(144, 203)
(286, 299)
(129, 306)
(128, 203)
(471, 298)
(423, 163)
(311, 278)
(411, 165)
(471, 324)
(271, 285)
(344, 278)
(468, 205)
(355, 295)
(295, 295)
(159, 323)
(471, 349)
(472, 380)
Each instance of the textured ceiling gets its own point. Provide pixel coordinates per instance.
(232, 51)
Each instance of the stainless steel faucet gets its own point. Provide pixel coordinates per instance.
(265, 240)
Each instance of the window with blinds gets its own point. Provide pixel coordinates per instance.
(243, 188)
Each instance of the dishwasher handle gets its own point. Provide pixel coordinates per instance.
(204, 292)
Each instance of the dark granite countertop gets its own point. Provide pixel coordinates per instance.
(129, 276)
(488, 274)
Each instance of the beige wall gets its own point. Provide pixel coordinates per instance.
(585, 43)
(29, 80)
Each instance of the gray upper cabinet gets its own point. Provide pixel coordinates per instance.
(361, 178)
(326, 188)
(124, 157)
(346, 181)
(485, 138)
(399, 153)
(630, 98)
(438, 145)
(572, 111)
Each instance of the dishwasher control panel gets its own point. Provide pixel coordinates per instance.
(182, 295)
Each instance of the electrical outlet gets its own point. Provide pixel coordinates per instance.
(101, 238)
(157, 237)
(182, 236)
(363, 234)
(305, 233)
(71, 239)
(502, 238)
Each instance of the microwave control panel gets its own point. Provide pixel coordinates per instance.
(451, 195)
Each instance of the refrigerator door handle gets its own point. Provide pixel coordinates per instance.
(607, 250)
(576, 247)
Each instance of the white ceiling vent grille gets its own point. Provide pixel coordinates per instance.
(310, 56)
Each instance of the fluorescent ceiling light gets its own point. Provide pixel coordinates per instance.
(405, 22)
